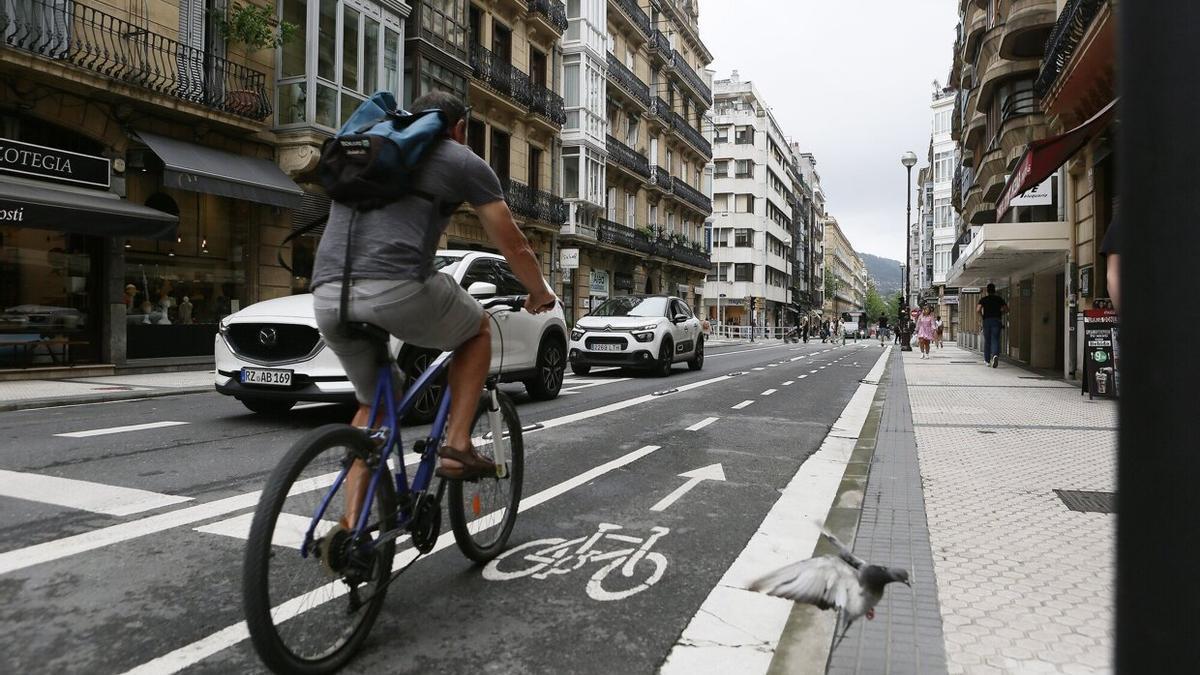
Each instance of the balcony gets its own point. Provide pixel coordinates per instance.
(627, 158)
(691, 196)
(1026, 28)
(660, 47)
(622, 236)
(635, 16)
(550, 12)
(535, 204)
(660, 178)
(83, 37)
(660, 113)
(1064, 39)
(685, 254)
(581, 230)
(547, 104)
(501, 76)
(689, 134)
(691, 78)
(629, 82)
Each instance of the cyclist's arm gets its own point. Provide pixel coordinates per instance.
(498, 222)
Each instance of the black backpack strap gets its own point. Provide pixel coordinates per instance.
(294, 234)
(345, 299)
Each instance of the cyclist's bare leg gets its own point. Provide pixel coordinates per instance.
(357, 478)
(468, 371)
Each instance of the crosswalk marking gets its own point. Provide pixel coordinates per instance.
(84, 495)
(119, 430)
(702, 423)
(289, 529)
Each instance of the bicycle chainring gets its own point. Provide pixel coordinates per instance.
(426, 524)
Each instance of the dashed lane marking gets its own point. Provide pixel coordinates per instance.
(120, 430)
(702, 423)
(788, 383)
(741, 405)
(84, 495)
(768, 392)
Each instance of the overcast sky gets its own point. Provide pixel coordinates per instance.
(850, 80)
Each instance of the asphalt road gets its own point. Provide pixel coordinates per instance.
(94, 580)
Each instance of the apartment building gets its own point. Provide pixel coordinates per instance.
(814, 206)
(139, 181)
(845, 274)
(754, 205)
(634, 153)
(1036, 192)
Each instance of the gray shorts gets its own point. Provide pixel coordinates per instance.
(436, 313)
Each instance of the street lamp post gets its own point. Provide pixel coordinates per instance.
(909, 160)
(720, 316)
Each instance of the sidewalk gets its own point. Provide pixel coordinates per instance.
(963, 490)
(23, 394)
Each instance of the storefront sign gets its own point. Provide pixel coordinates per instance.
(949, 299)
(568, 258)
(1038, 195)
(969, 289)
(1101, 377)
(62, 166)
(682, 289)
(598, 283)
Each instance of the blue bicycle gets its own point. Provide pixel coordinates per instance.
(312, 585)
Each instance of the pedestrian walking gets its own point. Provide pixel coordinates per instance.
(937, 330)
(883, 327)
(804, 329)
(926, 332)
(992, 308)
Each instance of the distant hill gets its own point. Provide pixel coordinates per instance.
(885, 272)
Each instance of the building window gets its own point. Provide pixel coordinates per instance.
(477, 137)
(744, 136)
(357, 53)
(445, 22)
(721, 134)
(535, 168)
(943, 166)
(630, 209)
(744, 204)
(499, 157)
(745, 168)
(743, 272)
(743, 237)
(721, 168)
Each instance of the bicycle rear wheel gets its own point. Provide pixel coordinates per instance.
(483, 511)
(310, 614)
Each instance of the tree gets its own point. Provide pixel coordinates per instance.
(877, 305)
(832, 284)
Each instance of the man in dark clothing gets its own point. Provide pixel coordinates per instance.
(882, 329)
(992, 308)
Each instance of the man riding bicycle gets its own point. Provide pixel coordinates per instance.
(394, 286)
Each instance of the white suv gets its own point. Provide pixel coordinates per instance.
(651, 332)
(270, 356)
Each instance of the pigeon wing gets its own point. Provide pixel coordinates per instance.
(843, 552)
(824, 581)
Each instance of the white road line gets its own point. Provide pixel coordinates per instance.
(768, 392)
(576, 385)
(702, 423)
(811, 372)
(743, 404)
(804, 376)
(743, 351)
(788, 383)
(120, 430)
(110, 500)
(289, 528)
(758, 369)
(737, 630)
(191, 654)
(772, 365)
(306, 406)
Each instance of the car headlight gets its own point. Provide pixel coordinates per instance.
(643, 337)
(576, 334)
(649, 326)
(223, 327)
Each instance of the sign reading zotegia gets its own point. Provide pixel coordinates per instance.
(26, 159)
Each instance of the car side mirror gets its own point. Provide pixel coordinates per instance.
(481, 289)
(679, 318)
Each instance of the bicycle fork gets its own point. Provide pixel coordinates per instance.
(499, 440)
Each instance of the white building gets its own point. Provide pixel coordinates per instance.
(752, 219)
(944, 159)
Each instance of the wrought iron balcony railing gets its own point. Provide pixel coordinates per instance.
(70, 32)
(1072, 23)
(536, 204)
(627, 80)
(547, 104)
(660, 177)
(692, 78)
(660, 44)
(500, 75)
(624, 236)
(636, 14)
(631, 159)
(689, 256)
(691, 195)
(689, 134)
(659, 107)
(553, 10)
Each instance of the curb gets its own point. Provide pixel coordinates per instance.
(804, 646)
(53, 402)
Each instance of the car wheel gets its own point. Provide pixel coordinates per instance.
(267, 406)
(551, 362)
(413, 364)
(580, 369)
(666, 358)
(697, 361)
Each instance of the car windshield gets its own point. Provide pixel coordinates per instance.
(446, 263)
(631, 305)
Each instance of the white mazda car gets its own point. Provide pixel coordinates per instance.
(270, 356)
(649, 332)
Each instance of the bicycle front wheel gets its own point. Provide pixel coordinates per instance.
(483, 511)
(309, 614)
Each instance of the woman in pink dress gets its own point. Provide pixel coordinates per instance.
(926, 330)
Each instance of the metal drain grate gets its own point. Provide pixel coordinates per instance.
(1088, 502)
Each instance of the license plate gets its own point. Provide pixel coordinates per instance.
(274, 378)
(602, 347)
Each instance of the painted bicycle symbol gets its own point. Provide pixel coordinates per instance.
(640, 568)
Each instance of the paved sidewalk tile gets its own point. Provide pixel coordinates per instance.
(91, 388)
(1026, 585)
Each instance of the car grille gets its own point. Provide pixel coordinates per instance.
(592, 342)
(272, 341)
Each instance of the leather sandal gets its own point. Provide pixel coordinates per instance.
(473, 465)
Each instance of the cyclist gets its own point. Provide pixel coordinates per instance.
(395, 286)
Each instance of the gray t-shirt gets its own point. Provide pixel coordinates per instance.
(398, 241)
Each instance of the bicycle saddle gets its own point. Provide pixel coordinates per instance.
(363, 330)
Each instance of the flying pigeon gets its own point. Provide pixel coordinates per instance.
(844, 582)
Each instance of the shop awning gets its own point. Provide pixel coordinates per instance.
(1043, 157)
(94, 212)
(200, 169)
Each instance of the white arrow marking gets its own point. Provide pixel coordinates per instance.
(710, 472)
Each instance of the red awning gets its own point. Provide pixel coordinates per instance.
(1043, 157)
